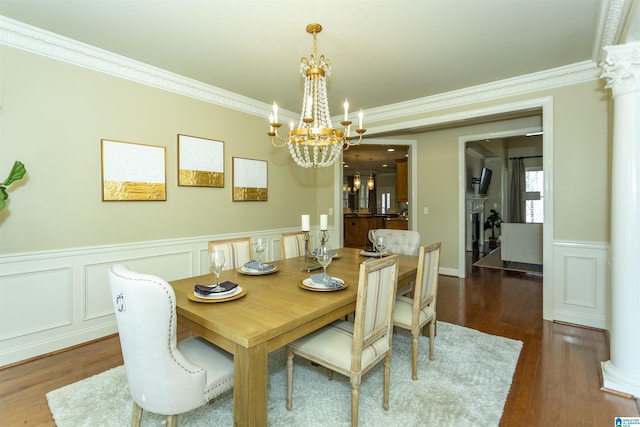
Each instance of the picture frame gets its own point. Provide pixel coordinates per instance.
(133, 172)
(249, 180)
(200, 162)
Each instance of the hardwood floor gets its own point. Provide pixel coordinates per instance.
(557, 380)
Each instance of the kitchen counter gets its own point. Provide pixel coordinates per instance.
(357, 226)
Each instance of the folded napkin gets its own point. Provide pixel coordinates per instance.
(255, 265)
(209, 290)
(332, 283)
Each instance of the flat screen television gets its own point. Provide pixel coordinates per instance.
(485, 180)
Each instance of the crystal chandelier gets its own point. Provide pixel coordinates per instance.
(314, 142)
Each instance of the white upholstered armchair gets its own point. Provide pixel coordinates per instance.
(403, 242)
(164, 377)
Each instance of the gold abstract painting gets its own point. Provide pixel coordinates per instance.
(133, 172)
(249, 180)
(200, 162)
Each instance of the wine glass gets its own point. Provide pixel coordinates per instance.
(381, 244)
(372, 238)
(324, 257)
(260, 245)
(216, 260)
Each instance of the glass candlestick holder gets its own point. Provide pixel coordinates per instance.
(308, 256)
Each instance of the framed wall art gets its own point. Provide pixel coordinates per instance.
(200, 162)
(249, 180)
(133, 171)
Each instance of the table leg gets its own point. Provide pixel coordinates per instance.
(250, 386)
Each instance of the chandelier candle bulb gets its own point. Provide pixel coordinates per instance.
(360, 115)
(305, 223)
(346, 110)
(275, 113)
(324, 223)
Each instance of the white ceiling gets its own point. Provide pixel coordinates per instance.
(383, 51)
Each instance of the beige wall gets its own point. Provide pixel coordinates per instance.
(53, 116)
(581, 148)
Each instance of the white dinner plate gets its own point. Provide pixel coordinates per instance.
(220, 295)
(254, 272)
(309, 283)
(370, 253)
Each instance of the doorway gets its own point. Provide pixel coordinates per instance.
(497, 153)
(544, 106)
(378, 158)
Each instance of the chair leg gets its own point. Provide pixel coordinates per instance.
(289, 377)
(355, 400)
(172, 421)
(432, 337)
(386, 381)
(414, 355)
(136, 416)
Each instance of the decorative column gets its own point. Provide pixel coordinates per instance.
(621, 374)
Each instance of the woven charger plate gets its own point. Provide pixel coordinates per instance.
(192, 296)
(256, 273)
(311, 288)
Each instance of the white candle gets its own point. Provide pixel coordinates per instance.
(346, 110)
(360, 115)
(305, 223)
(270, 118)
(323, 222)
(291, 125)
(275, 112)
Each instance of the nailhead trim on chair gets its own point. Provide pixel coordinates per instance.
(173, 310)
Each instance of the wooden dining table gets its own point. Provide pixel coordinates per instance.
(275, 311)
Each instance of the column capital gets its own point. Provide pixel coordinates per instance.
(622, 68)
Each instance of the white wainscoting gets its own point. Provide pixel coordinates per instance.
(56, 299)
(581, 283)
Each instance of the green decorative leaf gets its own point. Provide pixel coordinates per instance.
(17, 172)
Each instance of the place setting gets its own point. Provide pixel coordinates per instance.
(379, 244)
(323, 282)
(220, 292)
(257, 267)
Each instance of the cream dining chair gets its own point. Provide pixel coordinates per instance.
(292, 244)
(237, 252)
(352, 349)
(403, 242)
(415, 313)
(164, 377)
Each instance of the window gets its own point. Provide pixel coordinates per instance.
(534, 196)
(386, 201)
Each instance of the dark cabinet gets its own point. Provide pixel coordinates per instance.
(356, 230)
(402, 180)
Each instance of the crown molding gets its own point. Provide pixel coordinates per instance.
(35, 40)
(557, 77)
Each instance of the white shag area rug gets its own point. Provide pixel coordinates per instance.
(466, 384)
